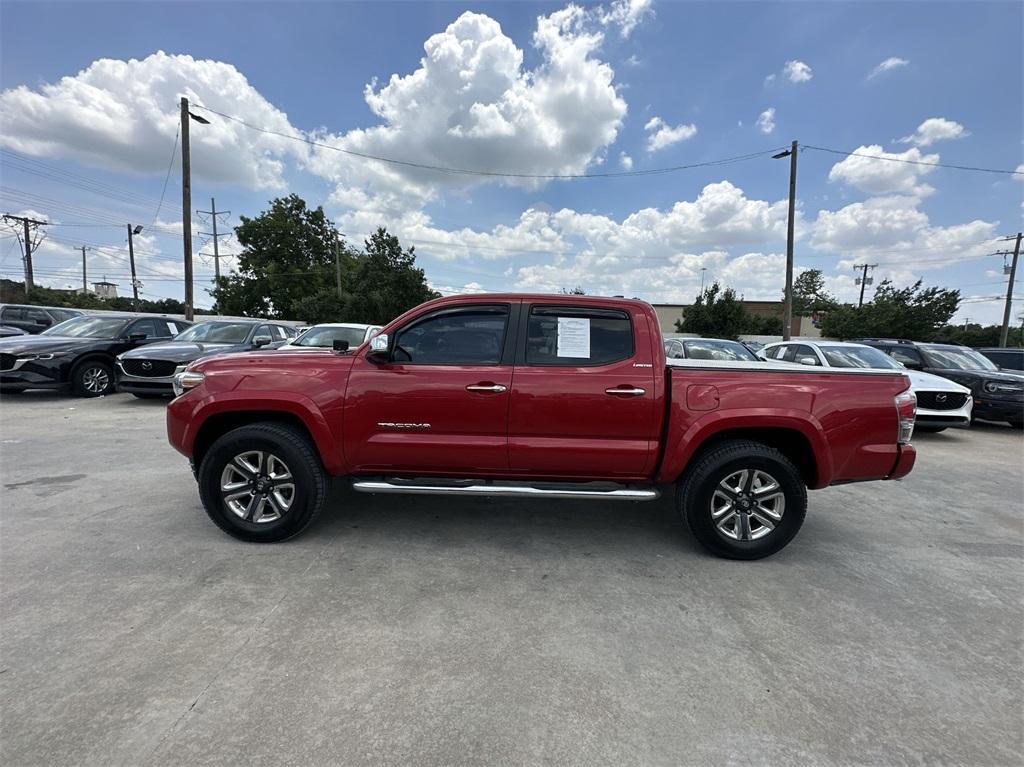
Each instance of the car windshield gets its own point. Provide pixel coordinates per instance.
(712, 349)
(957, 358)
(216, 332)
(88, 327)
(858, 357)
(326, 336)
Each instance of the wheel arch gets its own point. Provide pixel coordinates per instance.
(219, 424)
(790, 442)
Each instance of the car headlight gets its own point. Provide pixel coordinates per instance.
(43, 356)
(185, 381)
(999, 387)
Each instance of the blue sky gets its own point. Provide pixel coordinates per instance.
(537, 88)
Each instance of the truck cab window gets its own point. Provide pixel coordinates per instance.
(575, 336)
(471, 336)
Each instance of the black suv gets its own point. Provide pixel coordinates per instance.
(78, 353)
(148, 372)
(998, 395)
(34, 319)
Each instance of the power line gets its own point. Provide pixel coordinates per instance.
(914, 162)
(174, 151)
(476, 172)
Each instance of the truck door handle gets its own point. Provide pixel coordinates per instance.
(497, 388)
(626, 392)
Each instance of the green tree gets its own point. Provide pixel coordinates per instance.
(718, 313)
(809, 294)
(287, 254)
(913, 313)
(383, 281)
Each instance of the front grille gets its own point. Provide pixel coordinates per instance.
(155, 369)
(940, 400)
(7, 361)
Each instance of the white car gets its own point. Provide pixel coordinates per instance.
(941, 403)
(324, 335)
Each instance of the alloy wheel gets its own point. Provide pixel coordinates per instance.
(95, 380)
(747, 505)
(257, 487)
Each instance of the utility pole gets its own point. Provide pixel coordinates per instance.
(337, 264)
(85, 277)
(863, 280)
(30, 225)
(1009, 292)
(213, 213)
(787, 311)
(131, 260)
(186, 206)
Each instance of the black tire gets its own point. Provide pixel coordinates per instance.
(929, 429)
(140, 395)
(696, 494)
(286, 444)
(86, 373)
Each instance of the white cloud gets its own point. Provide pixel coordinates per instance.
(766, 120)
(124, 114)
(1020, 172)
(896, 226)
(885, 176)
(625, 161)
(891, 63)
(935, 129)
(797, 71)
(663, 135)
(471, 104)
(627, 14)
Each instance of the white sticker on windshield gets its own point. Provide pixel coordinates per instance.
(573, 337)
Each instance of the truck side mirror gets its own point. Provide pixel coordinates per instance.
(378, 352)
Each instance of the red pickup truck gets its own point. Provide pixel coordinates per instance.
(534, 396)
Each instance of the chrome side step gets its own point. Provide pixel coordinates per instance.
(592, 490)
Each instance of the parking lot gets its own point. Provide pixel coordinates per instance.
(418, 630)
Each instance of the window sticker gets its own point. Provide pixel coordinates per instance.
(574, 337)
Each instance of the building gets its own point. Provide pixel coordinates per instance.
(104, 289)
(802, 326)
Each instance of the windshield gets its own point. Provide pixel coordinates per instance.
(88, 327)
(709, 349)
(216, 332)
(958, 358)
(858, 357)
(326, 336)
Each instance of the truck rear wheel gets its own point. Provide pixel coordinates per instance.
(743, 500)
(262, 483)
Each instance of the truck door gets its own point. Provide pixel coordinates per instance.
(439, 402)
(584, 399)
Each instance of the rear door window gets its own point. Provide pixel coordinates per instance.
(575, 336)
(148, 328)
(906, 355)
(802, 352)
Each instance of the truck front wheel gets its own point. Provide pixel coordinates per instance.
(743, 500)
(262, 482)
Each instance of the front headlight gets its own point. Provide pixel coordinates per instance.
(43, 356)
(1000, 387)
(186, 380)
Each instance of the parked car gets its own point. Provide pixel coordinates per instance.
(6, 331)
(941, 403)
(541, 397)
(35, 319)
(707, 349)
(325, 334)
(78, 353)
(147, 373)
(998, 395)
(1011, 360)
